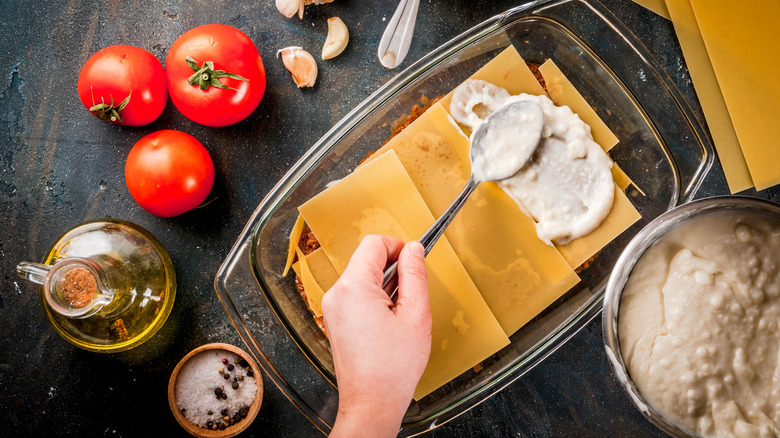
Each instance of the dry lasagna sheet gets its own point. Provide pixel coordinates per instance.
(489, 274)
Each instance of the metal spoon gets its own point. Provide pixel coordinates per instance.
(520, 121)
(395, 42)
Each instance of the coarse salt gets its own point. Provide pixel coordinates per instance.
(198, 379)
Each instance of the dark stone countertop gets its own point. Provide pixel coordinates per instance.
(60, 166)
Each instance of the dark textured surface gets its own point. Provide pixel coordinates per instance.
(60, 166)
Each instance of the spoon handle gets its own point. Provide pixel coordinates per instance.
(397, 37)
(390, 282)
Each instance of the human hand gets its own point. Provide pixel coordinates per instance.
(380, 350)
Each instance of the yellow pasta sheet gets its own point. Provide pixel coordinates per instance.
(623, 213)
(562, 92)
(317, 275)
(322, 269)
(622, 216)
(295, 236)
(742, 43)
(380, 198)
(707, 89)
(517, 274)
(507, 70)
(657, 6)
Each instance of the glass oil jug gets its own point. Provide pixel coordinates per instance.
(106, 285)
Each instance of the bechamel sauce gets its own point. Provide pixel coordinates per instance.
(567, 184)
(699, 325)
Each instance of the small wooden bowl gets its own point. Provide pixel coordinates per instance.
(229, 431)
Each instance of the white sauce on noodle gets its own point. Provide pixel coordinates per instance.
(567, 184)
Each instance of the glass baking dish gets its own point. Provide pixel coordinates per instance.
(662, 148)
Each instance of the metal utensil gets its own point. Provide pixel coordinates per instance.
(522, 121)
(395, 42)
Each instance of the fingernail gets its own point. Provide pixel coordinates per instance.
(417, 249)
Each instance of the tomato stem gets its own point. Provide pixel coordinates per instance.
(205, 75)
(108, 112)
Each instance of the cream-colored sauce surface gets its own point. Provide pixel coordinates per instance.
(567, 184)
(699, 325)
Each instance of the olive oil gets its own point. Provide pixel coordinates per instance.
(136, 274)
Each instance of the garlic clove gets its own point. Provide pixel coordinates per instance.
(288, 8)
(301, 64)
(338, 37)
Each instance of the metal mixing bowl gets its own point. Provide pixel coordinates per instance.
(650, 234)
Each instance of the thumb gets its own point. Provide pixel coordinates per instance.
(413, 281)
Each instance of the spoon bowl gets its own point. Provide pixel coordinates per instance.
(505, 141)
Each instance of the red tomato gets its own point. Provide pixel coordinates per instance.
(169, 172)
(123, 85)
(215, 75)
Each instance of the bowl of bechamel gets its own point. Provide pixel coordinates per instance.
(692, 319)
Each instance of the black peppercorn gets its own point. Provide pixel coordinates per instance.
(249, 373)
(224, 412)
(235, 385)
(211, 412)
(218, 391)
(210, 423)
(242, 412)
(243, 363)
(224, 396)
(226, 376)
(230, 367)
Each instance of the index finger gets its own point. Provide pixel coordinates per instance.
(369, 260)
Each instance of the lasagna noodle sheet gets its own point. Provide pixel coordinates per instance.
(507, 70)
(703, 76)
(295, 236)
(562, 92)
(742, 43)
(622, 216)
(317, 275)
(379, 198)
(657, 6)
(517, 274)
(322, 269)
(314, 292)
